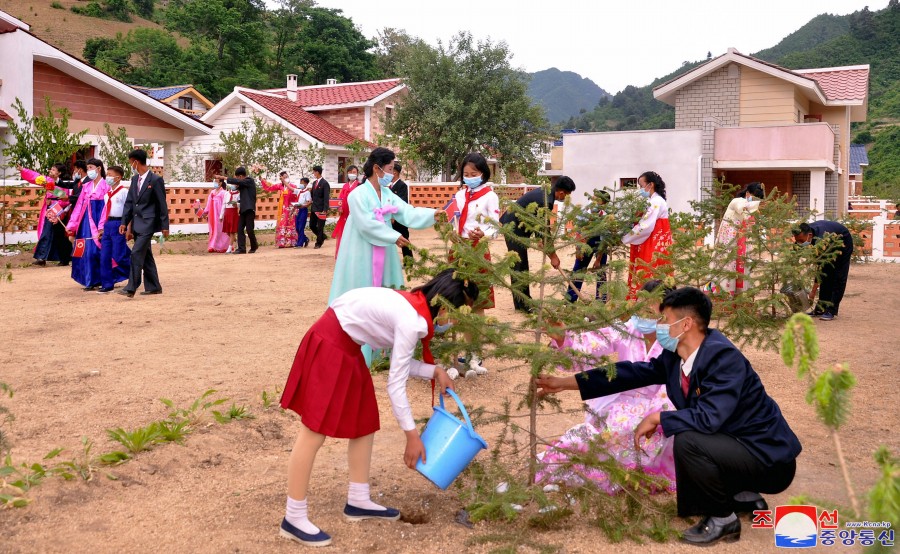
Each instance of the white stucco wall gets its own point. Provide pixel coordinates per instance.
(600, 160)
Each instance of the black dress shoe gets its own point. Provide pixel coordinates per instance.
(253, 250)
(40, 262)
(749, 506)
(123, 292)
(708, 531)
(146, 292)
(88, 289)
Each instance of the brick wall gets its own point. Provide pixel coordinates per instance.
(716, 95)
(801, 182)
(351, 120)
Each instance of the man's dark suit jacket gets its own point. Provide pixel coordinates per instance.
(725, 396)
(321, 196)
(401, 189)
(147, 210)
(247, 187)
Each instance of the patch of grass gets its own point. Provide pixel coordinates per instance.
(173, 431)
(234, 413)
(57, 6)
(142, 438)
(195, 413)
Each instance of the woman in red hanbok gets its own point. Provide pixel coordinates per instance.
(651, 236)
(352, 182)
(285, 231)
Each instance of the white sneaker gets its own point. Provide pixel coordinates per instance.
(228, 251)
(452, 373)
(470, 374)
(475, 365)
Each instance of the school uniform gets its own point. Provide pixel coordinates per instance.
(479, 210)
(115, 256)
(330, 386)
(730, 436)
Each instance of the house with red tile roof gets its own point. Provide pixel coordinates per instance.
(740, 119)
(32, 70)
(331, 116)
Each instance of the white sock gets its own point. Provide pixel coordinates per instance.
(358, 497)
(296, 515)
(724, 520)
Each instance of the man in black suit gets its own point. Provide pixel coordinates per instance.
(321, 197)
(731, 441)
(247, 220)
(400, 188)
(563, 187)
(832, 279)
(147, 211)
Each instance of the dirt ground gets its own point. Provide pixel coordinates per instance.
(81, 363)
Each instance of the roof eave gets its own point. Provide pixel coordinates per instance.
(135, 98)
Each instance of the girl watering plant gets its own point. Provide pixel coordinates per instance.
(330, 387)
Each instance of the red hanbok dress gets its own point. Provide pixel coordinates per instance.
(650, 240)
(285, 230)
(345, 213)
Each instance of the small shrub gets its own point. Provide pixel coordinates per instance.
(142, 438)
(195, 413)
(173, 431)
(57, 6)
(233, 413)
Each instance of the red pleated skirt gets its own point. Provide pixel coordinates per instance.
(646, 257)
(230, 220)
(329, 385)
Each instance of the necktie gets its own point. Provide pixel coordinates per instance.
(140, 184)
(685, 383)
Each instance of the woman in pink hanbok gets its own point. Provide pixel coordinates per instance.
(218, 239)
(612, 419)
(285, 229)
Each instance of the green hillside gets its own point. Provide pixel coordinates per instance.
(863, 37)
(563, 94)
(872, 38)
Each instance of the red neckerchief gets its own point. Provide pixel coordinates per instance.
(109, 197)
(420, 304)
(470, 197)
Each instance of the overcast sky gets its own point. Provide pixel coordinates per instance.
(614, 43)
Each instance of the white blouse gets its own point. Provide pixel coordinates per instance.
(483, 213)
(740, 209)
(382, 318)
(658, 209)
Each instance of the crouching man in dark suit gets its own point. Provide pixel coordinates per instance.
(147, 212)
(731, 441)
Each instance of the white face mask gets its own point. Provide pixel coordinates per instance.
(112, 181)
(351, 176)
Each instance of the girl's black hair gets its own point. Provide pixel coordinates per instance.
(754, 188)
(61, 169)
(454, 290)
(352, 167)
(659, 186)
(99, 163)
(480, 163)
(380, 156)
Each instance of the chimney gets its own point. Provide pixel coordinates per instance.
(292, 88)
(331, 82)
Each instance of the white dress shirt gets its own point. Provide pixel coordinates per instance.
(688, 365)
(117, 201)
(381, 318)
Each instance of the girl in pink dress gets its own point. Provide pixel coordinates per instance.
(218, 239)
(611, 420)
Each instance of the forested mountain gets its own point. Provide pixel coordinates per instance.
(563, 94)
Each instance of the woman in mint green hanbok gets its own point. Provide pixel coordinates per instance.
(368, 255)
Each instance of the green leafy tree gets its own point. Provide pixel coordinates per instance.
(115, 147)
(308, 157)
(462, 97)
(259, 142)
(39, 141)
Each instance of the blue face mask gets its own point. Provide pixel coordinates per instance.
(92, 174)
(386, 179)
(643, 325)
(644, 193)
(472, 182)
(441, 329)
(663, 338)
